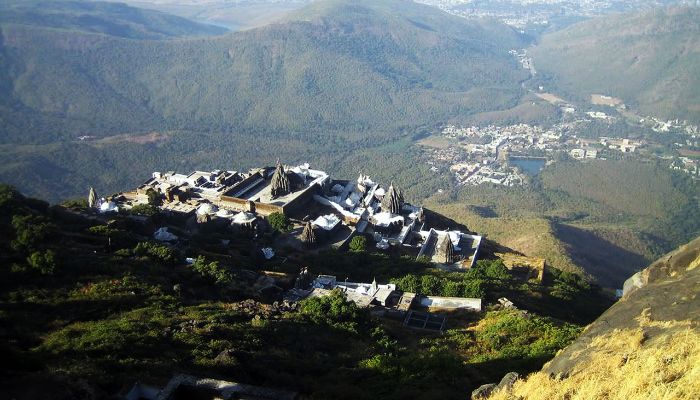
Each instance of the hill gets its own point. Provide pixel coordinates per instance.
(90, 304)
(646, 345)
(234, 15)
(340, 77)
(114, 19)
(606, 219)
(649, 60)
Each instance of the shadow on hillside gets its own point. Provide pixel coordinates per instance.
(605, 261)
(492, 371)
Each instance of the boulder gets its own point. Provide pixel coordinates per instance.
(483, 391)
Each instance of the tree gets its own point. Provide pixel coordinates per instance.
(358, 243)
(278, 221)
(43, 261)
(212, 270)
(156, 251)
(30, 231)
(407, 283)
(154, 198)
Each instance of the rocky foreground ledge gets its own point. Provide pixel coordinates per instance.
(647, 345)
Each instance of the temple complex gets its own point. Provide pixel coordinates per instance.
(323, 211)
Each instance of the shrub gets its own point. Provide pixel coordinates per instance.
(75, 204)
(425, 260)
(458, 285)
(509, 334)
(567, 285)
(112, 288)
(212, 270)
(431, 285)
(358, 243)
(123, 253)
(43, 261)
(334, 310)
(156, 252)
(475, 288)
(495, 270)
(407, 283)
(278, 222)
(30, 231)
(147, 210)
(101, 230)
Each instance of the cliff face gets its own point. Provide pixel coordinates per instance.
(647, 345)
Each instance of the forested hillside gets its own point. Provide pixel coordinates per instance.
(334, 71)
(606, 218)
(651, 61)
(336, 77)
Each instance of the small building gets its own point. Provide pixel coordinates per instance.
(525, 267)
(271, 190)
(591, 153)
(451, 303)
(450, 249)
(578, 154)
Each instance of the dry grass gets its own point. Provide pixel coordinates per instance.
(626, 365)
(600, 99)
(550, 98)
(437, 142)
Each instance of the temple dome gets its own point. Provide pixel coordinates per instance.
(207, 208)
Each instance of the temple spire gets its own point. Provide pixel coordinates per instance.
(445, 251)
(308, 236)
(92, 198)
(392, 201)
(280, 181)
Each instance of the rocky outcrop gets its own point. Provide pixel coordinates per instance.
(484, 391)
(667, 291)
(685, 258)
(645, 344)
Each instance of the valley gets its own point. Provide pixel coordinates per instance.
(345, 199)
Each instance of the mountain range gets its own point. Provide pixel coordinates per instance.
(650, 60)
(101, 94)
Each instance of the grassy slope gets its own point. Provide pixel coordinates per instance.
(649, 60)
(606, 218)
(645, 346)
(105, 318)
(639, 369)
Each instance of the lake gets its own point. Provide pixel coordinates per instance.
(531, 166)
